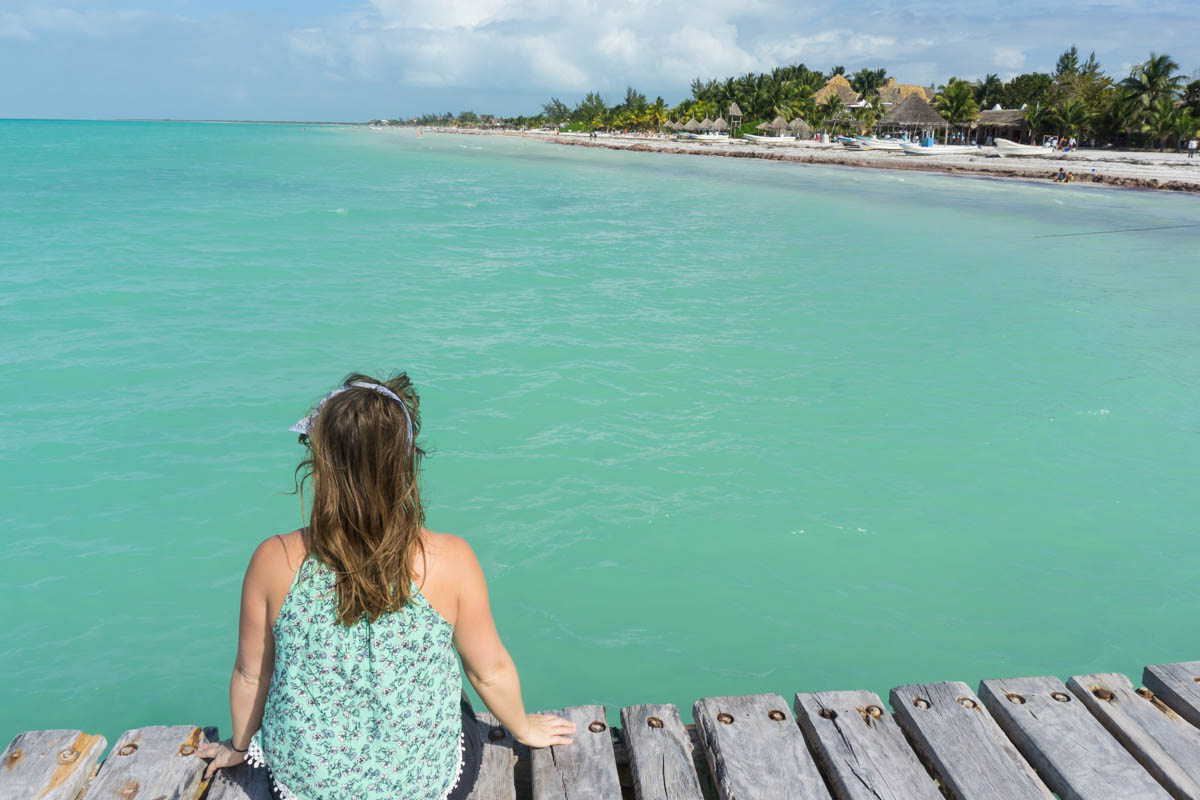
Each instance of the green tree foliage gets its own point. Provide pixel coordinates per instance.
(1029, 89)
(1072, 117)
(1154, 80)
(990, 91)
(591, 111)
(556, 111)
(1191, 96)
(868, 81)
(956, 102)
(1068, 63)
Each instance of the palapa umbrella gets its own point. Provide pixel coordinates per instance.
(720, 125)
(706, 124)
(779, 125)
(691, 126)
(800, 128)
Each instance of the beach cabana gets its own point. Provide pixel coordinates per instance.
(913, 116)
(778, 126)
(1007, 123)
(800, 129)
(691, 126)
(719, 125)
(706, 125)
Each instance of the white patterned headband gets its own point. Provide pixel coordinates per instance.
(304, 425)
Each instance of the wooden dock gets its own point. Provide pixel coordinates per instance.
(1095, 737)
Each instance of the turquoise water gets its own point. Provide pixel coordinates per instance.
(713, 426)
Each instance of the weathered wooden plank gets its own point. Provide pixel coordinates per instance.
(660, 753)
(860, 748)
(243, 782)
(1158, 738)
(755, 751)
(495, 780)
(587, 768)
(152, 762)
(955, 735)
(1072, 752)
(1178, 685)
(50, 765)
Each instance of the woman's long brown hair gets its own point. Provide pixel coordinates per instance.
(366, 511)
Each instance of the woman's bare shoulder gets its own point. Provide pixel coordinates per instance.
(279, 555)
(453, 553)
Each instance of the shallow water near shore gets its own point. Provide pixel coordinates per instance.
(713, 426)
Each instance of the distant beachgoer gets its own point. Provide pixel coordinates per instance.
(1061, 177)
(1072, 144)
(347, 680)
(1192, 144)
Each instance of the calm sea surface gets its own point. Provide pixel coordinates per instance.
(713, 426)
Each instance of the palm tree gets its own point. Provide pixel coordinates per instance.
(1161, 122)
(868, 81)
(1072, 116)
(1038, 118)
(956, 102)
(990, 90)
(1154, 80)
(831, 108)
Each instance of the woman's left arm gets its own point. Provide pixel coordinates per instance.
(255, 659)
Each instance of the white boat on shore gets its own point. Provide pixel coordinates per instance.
(872, 143)
(769, 139)
(1006, 148)
(703, 137)
(938, 149)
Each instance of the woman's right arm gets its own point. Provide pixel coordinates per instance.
(487, 663)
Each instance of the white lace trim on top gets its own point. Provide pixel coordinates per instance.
(255, 757)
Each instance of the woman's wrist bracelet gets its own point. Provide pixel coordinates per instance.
(234, 749)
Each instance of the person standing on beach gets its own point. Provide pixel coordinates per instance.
(1192, 143)
(347, 680)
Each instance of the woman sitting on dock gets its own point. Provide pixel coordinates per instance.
(346, 682)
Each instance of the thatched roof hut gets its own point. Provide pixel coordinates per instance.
(706, 124)
(1008, 123)
(734, 111)
(800, 128)
(779, 124)
(912, 112)
(720, 125)
(691, 126)
(837, 85)
(892, 93)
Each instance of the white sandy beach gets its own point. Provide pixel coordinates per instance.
(1142, 170)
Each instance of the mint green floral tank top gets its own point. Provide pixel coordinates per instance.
(368, 712)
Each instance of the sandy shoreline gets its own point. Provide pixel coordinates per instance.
(1134, 170)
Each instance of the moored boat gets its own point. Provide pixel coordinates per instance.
(872, 143)
(938, 149)
(1009, 148)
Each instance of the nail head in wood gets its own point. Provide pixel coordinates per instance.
(967, 702)
(67, 756)
(1103, 694)
(776, 715)
(725, 719)
(654, 722)
(128, 749)
(1061, 697)
(827, 713)
(921, 703)
(1015, 699)
(875, 711)
(597, 727)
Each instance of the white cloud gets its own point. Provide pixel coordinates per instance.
(1008, 58)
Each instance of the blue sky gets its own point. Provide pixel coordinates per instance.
(341, 60)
